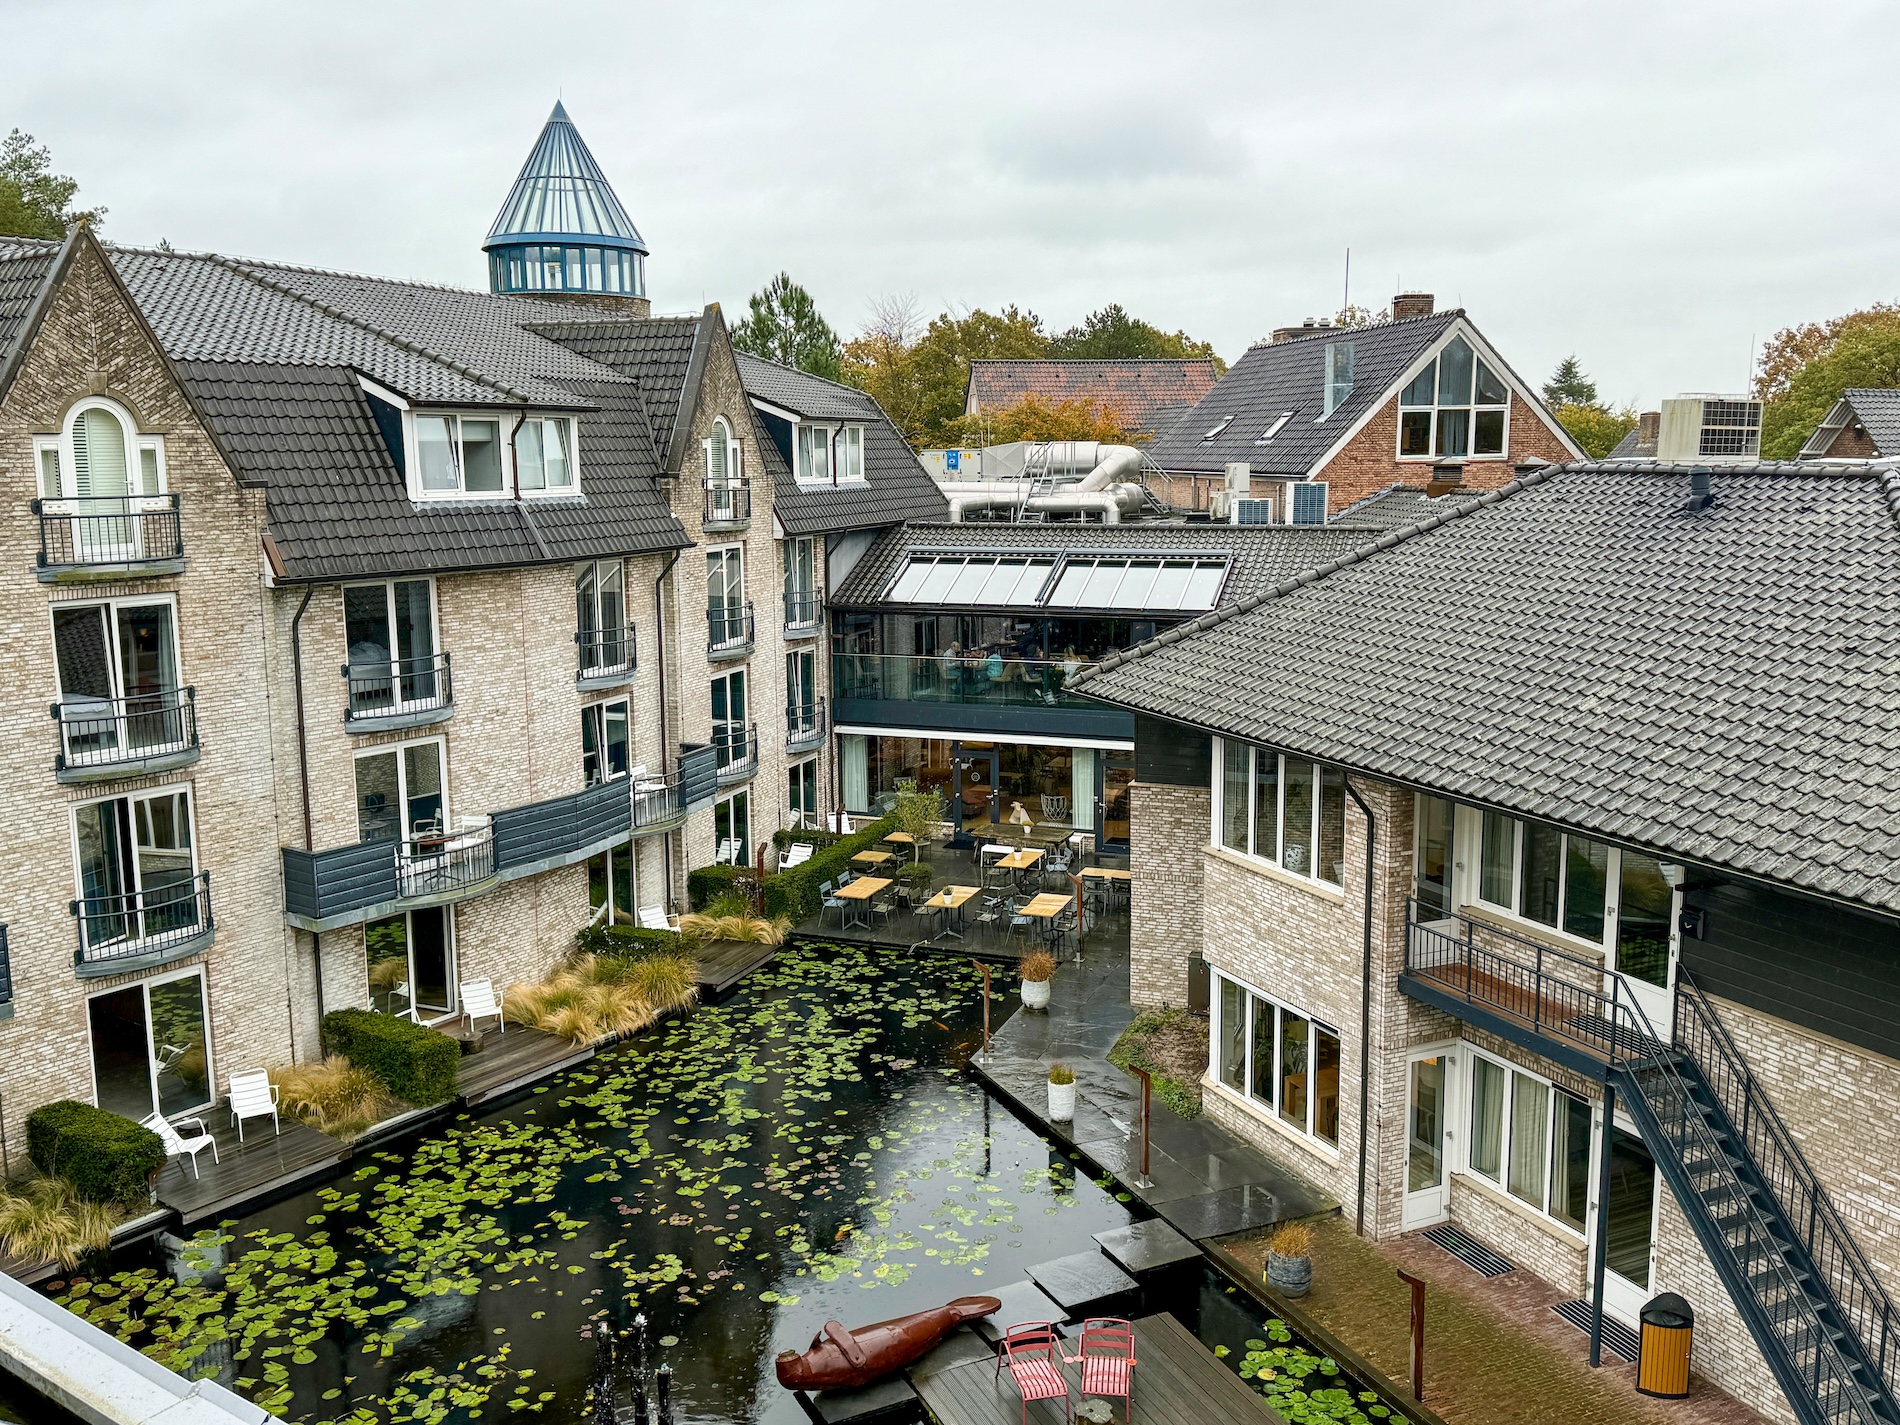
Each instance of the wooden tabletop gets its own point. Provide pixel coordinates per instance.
(1045, 905)
(1108, 873)
(862, 889)
(902, 838)
(872, 858)
(1019, 860)
(950, 897)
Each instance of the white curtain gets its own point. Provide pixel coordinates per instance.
(1082, 790)
(857, 772)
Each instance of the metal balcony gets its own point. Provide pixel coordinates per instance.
(607, 657)
(728, 503)
(444, 866)
(804, 725)
(801, 614)
(404, 692)
(139, 929)
(738, 751)
(101, 738)
(118, 537)
(730, 632)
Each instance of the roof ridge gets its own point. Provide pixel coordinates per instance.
(414, 348)
(1089, 360)
(1305, 335)
(1388, 540)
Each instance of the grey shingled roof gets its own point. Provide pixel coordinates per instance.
(654, 354)
(896, 487)
(1261, 555)
(1290, 376)
(24, 263)
(1879, 412)
(1722, 686)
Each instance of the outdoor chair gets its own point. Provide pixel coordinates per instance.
(253, 1095)
(176, 1143)
(828, 893)
(653, 917)
(479, 1001)
(799, 854)
(1033, 1355)
(1107, 1357)
(1017, 920)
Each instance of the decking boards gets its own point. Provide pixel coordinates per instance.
(264, 1163)
(724, 963)
(513, 1060)
(1177, 1382)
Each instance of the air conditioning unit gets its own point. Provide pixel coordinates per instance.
(1709, 429)
(1254, 512)
(1309, 501)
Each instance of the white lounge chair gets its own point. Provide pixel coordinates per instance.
(799, 854)
(653, 917)
(176, 1143)
(253, 1095)
(479, 1001)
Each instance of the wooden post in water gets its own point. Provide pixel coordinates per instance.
(1147, 1101)
(1417, 1335)
(640, 1368)
(986, 1003)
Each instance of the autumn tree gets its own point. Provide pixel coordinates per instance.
(784, 325)
(1805, 369)
(1033, 418)
(1111, 334)
(1568, 386)
(921, 380)
(1595, 426)
(34, 201)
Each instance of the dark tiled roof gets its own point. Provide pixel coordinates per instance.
(1395, 507)
(896, 487)
(1290, 376)
(24, 263)
(1633, 447)
(1146, 392)
(1721, 686)
(1879, 412)
(655, 354)
(1261, 555)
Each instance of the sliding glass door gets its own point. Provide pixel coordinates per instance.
(150, 1050)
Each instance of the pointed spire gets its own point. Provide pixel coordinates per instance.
(561, 195)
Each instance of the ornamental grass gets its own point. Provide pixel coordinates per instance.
(592, 997)
(333, 1096)
(46, 1220)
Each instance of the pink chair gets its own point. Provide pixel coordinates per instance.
(1034, 1356)
(1107, 1358)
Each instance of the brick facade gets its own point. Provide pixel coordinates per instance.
(1369, 461)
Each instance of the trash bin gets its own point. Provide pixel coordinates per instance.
(1662, 1366)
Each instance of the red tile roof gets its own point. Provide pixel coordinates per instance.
(1148, 392)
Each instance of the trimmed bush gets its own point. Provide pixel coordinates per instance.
(415, 1064)
(708, 883)
(105, 1157)
(783, 838)
(628, 942)
(795, 892)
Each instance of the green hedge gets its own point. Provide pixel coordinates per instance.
(414, 1063)
(783, 838)
(708, 883)
(629, 942)
(105, 1157)
(795, 892)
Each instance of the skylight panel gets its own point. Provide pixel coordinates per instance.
(964, 589)
(1279, 424)
(1137, 586)
(1203, 586)
(941, 576)
(1218, 427)
(1001, 584)
(1169, 585)
(1099, 592)
(1068, 590)
(911, 580)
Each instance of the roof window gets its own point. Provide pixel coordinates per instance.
(1339, 363)
(1219, 426)
(1279, 424)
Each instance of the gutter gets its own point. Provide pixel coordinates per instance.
(303, 772)
(659, 648)
(1365, 1011)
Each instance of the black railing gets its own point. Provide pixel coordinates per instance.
(737, 749)
(728, 502)
(446, 863)
(729, 628)
(402, 687)
(606, 652)
(99, 733)
(111, 530)
(136, 924)
(6, 969)
(804, 724)
(801, 610)
(656, 800)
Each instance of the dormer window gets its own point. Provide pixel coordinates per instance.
(1457, 407)
(541, 458)
(829, 454)
(100, 455)
(459, 454)
(469, 455)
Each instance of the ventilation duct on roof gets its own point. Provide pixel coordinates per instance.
(1053, 477)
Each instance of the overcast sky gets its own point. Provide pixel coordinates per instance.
(1652, 186)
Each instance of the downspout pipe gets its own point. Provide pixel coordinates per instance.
(303, 774)
(659, 648)
(1365, 1009)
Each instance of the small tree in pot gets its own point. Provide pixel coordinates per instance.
(1061, 1093)
(1037, 968)
(917, 814)
(1289, 1260)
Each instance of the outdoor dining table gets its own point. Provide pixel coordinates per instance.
(902, 838)
(1018, 861)
(861, 891)
(948, 902)
(872, 858)
(1046, 907)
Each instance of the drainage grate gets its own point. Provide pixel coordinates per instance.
(1469, 1250)
(1616, 1336)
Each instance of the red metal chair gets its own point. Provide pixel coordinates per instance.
(1107, 1358)
(1033, 1353)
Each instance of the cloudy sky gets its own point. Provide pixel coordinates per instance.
(1653, 186)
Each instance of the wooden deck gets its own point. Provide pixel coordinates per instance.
(513, 1060)
(724, 963)
(264, 1163)
(1178, 1381)
(1563, 1012)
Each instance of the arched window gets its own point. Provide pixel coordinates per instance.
(718, 451)
(100, 455)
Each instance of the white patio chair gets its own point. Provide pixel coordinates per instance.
(797, 856)
(253, 1095)
(479, 1001)
(176, 1143)
(653, 917)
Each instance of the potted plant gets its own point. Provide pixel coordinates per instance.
(1061, 1093)
(1289, 1263)
(1036, 968)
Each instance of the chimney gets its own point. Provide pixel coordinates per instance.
(1305, 328)
(1411, 304)
(1447, 476)
(1648, 426)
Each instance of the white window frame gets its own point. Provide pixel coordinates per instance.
(168, 789)
(145, 986)
(135, 446)
(115, 664)
(1222, 746)
(806, 434)
(1466, 1124)
(734, 607)
(1268, 1109)
(571, 429)
(745, 721)
(740, 797)
(733, 475)
(594, 715)
(601, 569)
(1468, 844)
(509, 424)
(1480, 354)
(794, 773)
(388, 586)
(405, 833)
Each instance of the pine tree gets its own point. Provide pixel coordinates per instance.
(785, 326)
(1568, 386)
(33, 201)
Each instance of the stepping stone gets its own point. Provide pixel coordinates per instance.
(1150, 1246)
(889, 1402)
(959, 1348)
(1087, 1284)
(1022, 1301)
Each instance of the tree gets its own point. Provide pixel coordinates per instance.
(917, 814)
(1864, 350)
(1594, 426)
(1568, 386)
(1792, 348)
(1111, 334)
(1033, 418)
(1356, 316)
(784, 326)
(921, 383)
(33, 201)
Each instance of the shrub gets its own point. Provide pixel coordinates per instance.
(415, 1064)
(1171, 1044)
(795, 892)
(784, 838)
(627, 942)
(106, 1158)
(46, 1220)
(1037, 966)
(710, 882)
(592, 996)
(1061, 1074)
(334, 1096)
(1294, 1239)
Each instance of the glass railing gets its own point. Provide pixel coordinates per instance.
(944, 678)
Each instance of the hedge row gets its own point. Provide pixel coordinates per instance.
(783, 838)
(708, 883)
(414, 1063)
(628, 942)
(105, 1157)
(795, 892)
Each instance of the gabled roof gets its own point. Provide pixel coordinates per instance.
(1721, 686)
(1395, 507)
(895, 488)
(561, 193)
(1877, 411)
(1144, 391)
(27, 266)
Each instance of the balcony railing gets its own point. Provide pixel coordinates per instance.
(445, 865)
(943, 678)
(804, 725)
(729, 630)
(656, 801)
(607, 656)
(122, 932)
(404, 692)
(728, 502)
(118, 737)
(109, 537)
(737, 749)
(801, 612)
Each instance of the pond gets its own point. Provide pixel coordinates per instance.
(809, 1149)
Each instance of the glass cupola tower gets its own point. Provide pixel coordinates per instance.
(562, 230)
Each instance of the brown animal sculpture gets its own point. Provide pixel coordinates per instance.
(841, 1359)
